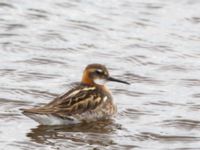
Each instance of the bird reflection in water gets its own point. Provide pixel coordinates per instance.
(99, 133)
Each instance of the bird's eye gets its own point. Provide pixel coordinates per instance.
(99, 71)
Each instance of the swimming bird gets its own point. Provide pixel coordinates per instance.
(86, 102)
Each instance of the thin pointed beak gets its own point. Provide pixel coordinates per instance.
(116, 80)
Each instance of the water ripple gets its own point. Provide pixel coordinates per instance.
(182, 123)
(154, 45)
(6, 5)
(166, 138)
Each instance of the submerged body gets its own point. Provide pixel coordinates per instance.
(86, 102)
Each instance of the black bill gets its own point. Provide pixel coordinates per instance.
(116, 80)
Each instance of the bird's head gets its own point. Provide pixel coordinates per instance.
(96, 72)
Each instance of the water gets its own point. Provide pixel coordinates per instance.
(153, 44)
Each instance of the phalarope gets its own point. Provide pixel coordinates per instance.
(88, 101)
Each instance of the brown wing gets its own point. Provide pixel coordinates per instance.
(76, 101)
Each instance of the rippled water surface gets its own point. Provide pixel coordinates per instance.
(153, 44)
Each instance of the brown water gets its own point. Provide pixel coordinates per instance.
(154, 44)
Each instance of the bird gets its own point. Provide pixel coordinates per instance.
(86, 102)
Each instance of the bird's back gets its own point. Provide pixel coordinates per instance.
(81, 103)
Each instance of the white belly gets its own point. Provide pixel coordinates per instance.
(53, 120)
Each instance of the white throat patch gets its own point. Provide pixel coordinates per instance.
(100, 81)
